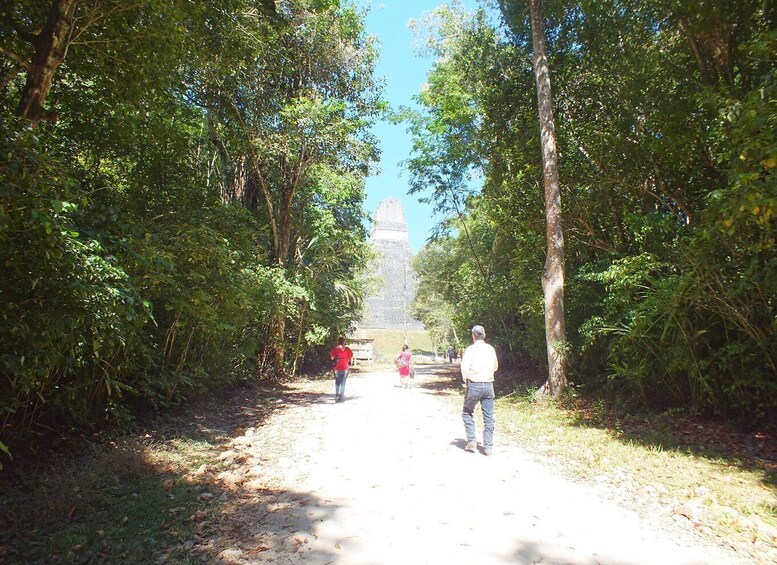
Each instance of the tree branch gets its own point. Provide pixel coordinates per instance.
(15, 58)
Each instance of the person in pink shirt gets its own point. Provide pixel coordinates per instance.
(404, 362)
(341, 356)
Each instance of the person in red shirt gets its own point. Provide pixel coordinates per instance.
(341, 356)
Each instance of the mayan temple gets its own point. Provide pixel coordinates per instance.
(389, 308)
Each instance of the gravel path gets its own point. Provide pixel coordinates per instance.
(382, 479)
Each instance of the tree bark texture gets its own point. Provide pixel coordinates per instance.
(278, 345)
(50, 51)
(553, 274)
(227, 192)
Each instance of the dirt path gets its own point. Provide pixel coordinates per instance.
(382, 479)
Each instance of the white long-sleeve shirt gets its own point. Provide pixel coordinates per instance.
(479, 363)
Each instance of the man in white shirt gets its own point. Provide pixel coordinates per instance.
(478, 366)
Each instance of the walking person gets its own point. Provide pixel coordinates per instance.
(404, 362)
(478, 365)
(342, 357)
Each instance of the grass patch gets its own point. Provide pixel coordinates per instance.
(142, 499)
(677, 463)
(389, 342)
(119, 504)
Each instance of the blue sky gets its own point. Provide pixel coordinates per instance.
(404, 73)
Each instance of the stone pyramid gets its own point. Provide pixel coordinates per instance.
(389, 308)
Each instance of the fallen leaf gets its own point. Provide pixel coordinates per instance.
(199, 515)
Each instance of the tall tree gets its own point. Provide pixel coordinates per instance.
(553, 274)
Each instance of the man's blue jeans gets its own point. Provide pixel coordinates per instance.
(340, 377)
(483, 393)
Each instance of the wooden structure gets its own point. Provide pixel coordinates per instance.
(363, 350)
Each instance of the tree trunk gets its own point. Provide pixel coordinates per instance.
(278, 345)
(553, 274)
(284, 226)
(227, 192)
(282, 242)
(50, 50)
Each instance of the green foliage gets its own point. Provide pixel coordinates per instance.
(6, 452)
(706, 334)
(69, 310)
(665, 117)
(141, 238)
(294, 147)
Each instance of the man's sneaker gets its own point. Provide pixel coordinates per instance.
(488, 451)
(472, 446)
